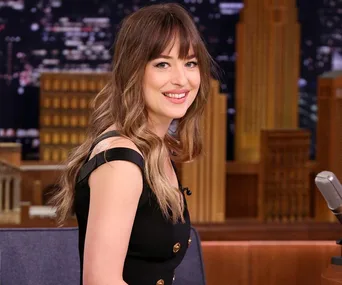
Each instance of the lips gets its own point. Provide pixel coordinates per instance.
(176, 95)
(176, 98)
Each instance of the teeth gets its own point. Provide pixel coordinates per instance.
(178, 96)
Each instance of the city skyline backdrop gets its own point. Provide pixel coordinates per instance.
(60, 35)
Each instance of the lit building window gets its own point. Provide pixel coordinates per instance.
(74, 103)
(47, 138)
(56, 84)
(65, 103)
(55, 155)
(74, 85)
(65, 138)
(46, 154)
(64, 154)
(47, 103)
(74, 121)
(83, 121)
(47, 120)
(56, 138)
(65, 85)
(56, 103)
(56, 120)
(47, 84)
(83, 103)
(74, 138)
(65, 121)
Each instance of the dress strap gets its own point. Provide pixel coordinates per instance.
(116, 153)
(102, 137)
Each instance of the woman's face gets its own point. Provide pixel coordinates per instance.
(170, 85)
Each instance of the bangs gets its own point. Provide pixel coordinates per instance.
(165, 36)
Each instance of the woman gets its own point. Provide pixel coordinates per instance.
(134, 225)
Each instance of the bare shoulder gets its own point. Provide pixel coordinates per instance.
(117, 170)
(113, 142)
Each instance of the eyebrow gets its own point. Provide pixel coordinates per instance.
(170, 57)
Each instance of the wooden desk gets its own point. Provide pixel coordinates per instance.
(267, 262)
(332, 275)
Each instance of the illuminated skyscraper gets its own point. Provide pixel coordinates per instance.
(65, 105)
(268, 41)
(329, 137)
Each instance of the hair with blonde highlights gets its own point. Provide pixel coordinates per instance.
(142, 37)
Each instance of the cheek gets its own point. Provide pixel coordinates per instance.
(150, 86)
(149, 97)
(195, 80)
(154, 84)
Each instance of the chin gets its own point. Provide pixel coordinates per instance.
(176, 115)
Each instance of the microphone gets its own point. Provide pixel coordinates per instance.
(331, 189)
(188, 191)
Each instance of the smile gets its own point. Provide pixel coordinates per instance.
(176, 96)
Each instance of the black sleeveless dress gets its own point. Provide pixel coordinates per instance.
(156, 246)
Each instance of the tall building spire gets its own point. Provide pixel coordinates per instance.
(268, 43)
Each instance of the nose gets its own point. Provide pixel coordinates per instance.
(178, 76)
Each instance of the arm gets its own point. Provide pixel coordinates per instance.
(115, 189)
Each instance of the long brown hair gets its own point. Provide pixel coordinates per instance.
(142, 37)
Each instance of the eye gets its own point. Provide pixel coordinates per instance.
(161, 65)
(192, 64)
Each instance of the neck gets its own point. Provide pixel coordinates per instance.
(160, 128)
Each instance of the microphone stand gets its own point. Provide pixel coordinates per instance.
(333, 273)
(337, 260)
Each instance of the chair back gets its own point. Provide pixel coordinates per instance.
(49, 256)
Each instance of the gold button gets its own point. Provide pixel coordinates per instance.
(189, 241)
(176, 247)
(160, 282)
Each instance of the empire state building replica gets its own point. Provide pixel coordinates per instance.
(268, 41)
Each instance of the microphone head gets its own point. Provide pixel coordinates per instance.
(330, 188)
(187, 190)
